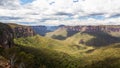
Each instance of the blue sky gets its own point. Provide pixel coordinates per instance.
(26, 1)
(57, 12)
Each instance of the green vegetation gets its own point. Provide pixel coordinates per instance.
(67, 50)
(65, 46)
(16, 58)
(75, 50)
(60, 34)
(50, 53)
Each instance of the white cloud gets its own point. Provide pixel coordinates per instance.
(10, 4)
(56, 12)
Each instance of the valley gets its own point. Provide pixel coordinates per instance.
(61, 46)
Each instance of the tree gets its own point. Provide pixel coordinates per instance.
(18, 58)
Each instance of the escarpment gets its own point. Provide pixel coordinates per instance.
(6, 36)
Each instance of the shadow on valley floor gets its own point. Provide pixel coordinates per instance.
(59, 37)
(101, 39)
(69, 34)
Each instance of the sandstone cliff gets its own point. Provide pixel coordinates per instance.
(6, 36)
(22, 31)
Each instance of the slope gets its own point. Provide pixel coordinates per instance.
(61, 33)
(101, 57)
(44, 42)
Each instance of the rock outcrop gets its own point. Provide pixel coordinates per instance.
(104, 28)
(6, 36)
(22, 31)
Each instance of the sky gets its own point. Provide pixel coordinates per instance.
(60, 12)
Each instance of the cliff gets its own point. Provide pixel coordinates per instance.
(104, 28)
(10, 31)
(6, 36)
(22, 31)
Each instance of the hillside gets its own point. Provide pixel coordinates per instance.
(66, 48)
(67, 31)
(58, 34)
(45, 42)
(87, 35)
(93, 39)
(61, 33)
(63, 56)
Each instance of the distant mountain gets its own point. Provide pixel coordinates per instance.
(52, 28)
(87, 35)
(42, 30)
(61, 33)
(103, 28)
(71, 30)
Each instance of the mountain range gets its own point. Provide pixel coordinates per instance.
(42, 30)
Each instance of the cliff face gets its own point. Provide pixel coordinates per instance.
(22, 31)
(10, 31)
(105, 28)
(6, 36)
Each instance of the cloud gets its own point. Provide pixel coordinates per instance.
(10, 4)
(63, 14)
(56, 12)
(115, 16)
(9, 18)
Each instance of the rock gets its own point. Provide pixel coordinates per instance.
(4, 63)
(21, 30)
(6, 36)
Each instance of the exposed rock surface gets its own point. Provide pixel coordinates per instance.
(4, 63)
(22, 31)
(104, 28)
(6, 36)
